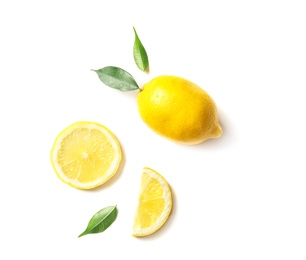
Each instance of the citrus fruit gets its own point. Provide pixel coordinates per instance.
(85, 155)
(154, 203)
(179, 110)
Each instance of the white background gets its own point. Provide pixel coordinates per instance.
(241, 196)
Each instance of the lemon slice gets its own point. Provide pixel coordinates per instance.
(85, 155)
(154, 203)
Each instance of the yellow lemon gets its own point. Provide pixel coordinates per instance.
(154, 203)
(85, 155)
(179, 110)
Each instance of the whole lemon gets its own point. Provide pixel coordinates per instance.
(178, 110)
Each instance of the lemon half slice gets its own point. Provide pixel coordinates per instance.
(154, 203)
(85, 155)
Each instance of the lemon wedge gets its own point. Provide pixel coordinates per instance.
(154, 203)
(85, 155)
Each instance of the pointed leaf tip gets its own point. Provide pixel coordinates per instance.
(139, 53)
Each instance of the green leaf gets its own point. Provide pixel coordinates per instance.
(117, 78)
(140, 54)
(101, 220)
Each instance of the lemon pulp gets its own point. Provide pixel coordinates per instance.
(154, 203)
(85, 155)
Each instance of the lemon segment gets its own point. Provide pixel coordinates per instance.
(85, 155)
(154, 203)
